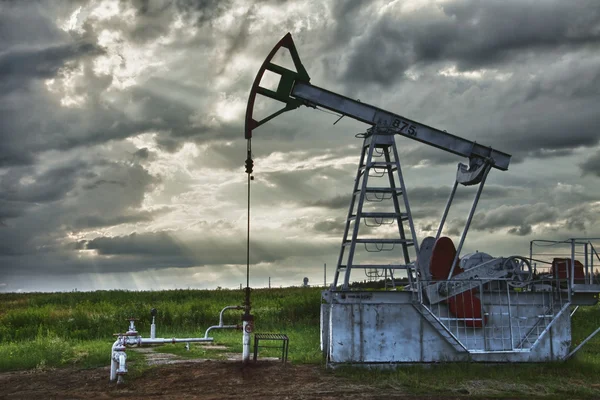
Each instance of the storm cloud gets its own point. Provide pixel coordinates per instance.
(121, 125)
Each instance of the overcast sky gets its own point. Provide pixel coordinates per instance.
(122, 145)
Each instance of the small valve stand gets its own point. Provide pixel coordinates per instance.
(131, 331)
(133, 338)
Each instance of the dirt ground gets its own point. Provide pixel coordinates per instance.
(195, 380)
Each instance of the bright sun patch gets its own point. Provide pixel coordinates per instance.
(65, 85)
(474, 75)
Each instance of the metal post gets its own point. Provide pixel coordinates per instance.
(325, 275)
(593, 250)
(509, 318)
(247, 318)
(585, 250)
(471, 213)
(385, 279)
(572, 264)
(530, 251)
(483, 323)
(446, 210)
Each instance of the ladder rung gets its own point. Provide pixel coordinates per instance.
(383, 215)
(376, 266)
(397, 191)
(383, 190)
(382, 241)
(403, 216)
(379, 164)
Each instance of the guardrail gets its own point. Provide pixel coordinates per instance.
(496, 317)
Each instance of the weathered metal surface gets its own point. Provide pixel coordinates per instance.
(324, 322)
(385, 327)
(415, 130)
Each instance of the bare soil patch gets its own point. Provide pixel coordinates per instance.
(196, 380)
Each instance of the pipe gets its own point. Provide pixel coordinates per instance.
(113, 364)
(122, 367)
(247, 329)
(220, 327)
(141, 341)
(227, 308)
(118, 358)
(131, 337)
(572, 267)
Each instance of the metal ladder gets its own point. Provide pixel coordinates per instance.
(383, 147)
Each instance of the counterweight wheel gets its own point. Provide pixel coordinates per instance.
(520, 274)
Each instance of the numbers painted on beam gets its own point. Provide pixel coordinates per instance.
(405, 127)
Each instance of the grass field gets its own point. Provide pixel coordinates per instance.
(42, 330)
(55, 329)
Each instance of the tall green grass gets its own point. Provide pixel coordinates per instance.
(97, 315)
(56, 329)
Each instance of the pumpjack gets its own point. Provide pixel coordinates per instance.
(455, 307)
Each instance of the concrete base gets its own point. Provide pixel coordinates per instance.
(386, 327)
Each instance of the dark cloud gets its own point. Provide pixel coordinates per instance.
(345, 15)
(333, 227)
(142, 154)
(165, 250)
(591, 165)
(472, 34)
(31, 22)
(517, 218)
(19, 65)
(160, 243)
(12, 209)
(553, 135)
(341, 201)
(98, 221)
(203, 10)
(522, 230)
(100, 182)
(78, 178)
(423, 197)
(20, 186)
(41, 209)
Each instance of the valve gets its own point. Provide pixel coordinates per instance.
(249, 165)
